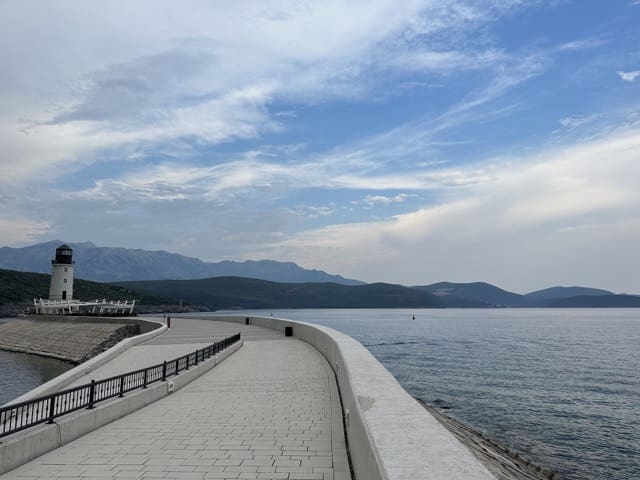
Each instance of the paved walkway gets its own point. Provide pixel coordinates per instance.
(185, 336)
(270, 411)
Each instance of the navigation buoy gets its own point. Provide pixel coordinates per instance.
(413, 317)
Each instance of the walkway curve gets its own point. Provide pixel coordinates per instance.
(270, 411)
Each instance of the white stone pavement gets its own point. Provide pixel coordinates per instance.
(185, 336)
(270, 411)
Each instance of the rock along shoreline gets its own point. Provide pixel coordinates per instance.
(68, 341)
(502, 462)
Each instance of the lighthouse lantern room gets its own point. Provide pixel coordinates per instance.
(62, 274)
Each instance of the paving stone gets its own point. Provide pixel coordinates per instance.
(269, 411)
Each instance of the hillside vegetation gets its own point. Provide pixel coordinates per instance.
(235, 292)
(18, 289)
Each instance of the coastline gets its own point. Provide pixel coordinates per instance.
(10, 311)
(501, 461)
(70, 342)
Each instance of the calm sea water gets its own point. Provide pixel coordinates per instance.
(562, 387)
(20, 373)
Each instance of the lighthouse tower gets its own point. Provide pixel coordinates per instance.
(62, 274)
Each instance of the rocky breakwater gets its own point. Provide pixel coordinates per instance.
(70, 341)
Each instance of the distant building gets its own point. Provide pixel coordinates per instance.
(61, 300)
(62, 274)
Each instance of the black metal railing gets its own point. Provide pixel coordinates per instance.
(45, 409)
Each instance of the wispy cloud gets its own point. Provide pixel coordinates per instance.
(583, 44)
(170, 182)
(447, 61)
(315, 211)
(629, 76)
(573, 122)
(385, 200)
(211, 75)
(17, 230)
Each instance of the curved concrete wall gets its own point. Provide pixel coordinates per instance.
(390, 436)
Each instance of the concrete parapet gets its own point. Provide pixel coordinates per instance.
(24, 446)
(390, 435)
(151, 329)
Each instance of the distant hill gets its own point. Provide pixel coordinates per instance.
(109, 264)
(480, 294)
(475, 294)
(18, 289)
(566, 292)
(595, 301)
(234, 292)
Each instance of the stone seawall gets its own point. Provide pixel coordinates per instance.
(70, 341)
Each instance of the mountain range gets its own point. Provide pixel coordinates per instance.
(111, 264)
(233, 292)
(269, 284)
(485, 295)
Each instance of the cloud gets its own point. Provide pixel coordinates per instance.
(20, 231)
(315, 211)
(570, 208)
(140, 90)
(447, 61)
(573, 122)
(170, 111)
(155, 72)
(385, 200)
(255, 177)
(629, 76)
(584, 44)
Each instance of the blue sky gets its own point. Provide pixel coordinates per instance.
(409, 142)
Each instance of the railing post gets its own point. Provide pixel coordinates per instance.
(164, 370)
(188, 356)
(52, 408)
(146, 372)
(121, 386)
(197, 352)
(92, 393)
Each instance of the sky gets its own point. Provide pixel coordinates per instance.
(406, 142)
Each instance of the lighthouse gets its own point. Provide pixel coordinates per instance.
(62, 274)
(61, 301)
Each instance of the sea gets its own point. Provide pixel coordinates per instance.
(559, 386)
(21, 372)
